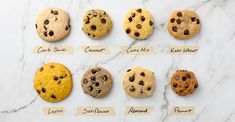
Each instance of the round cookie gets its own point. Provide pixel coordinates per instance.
(138, 24)
(139, 82)
(53, 82)
(96, 23)
(183, 82)
(53, 24)
(97, 82)
(183, 24)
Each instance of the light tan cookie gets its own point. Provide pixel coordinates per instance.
(183, 24)
(184, 82)
(53, 82)
(53, 24)
(138, 24)
(97, 82)
(139, 82)
(96, 23)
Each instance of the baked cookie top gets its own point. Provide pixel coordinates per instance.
(139, 82)
(96, 23)
(53, 24)
(138, 23)
(97, 82)
(53, 82)
(184, 24)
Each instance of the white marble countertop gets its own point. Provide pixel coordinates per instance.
(213, 64)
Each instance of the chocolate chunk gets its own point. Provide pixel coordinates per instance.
(149, 88)
(128, 30)
(45, 34)
(188, 76)
(175, 85)
(105, 78)
(198, 21)
(93, 27)
(36, 25)
(141, 83)
(51, 33)
(172, 20)
(53, 96)
(193, 19)
(103, 21)
(151, 23)
(90, 88)
(93, 71)
(174, 28)
(38, 91)
(139, 10)
(137, 34)
(178, 21)
(142, 18)
(138, 26)
(43, 90)
(177, 77)
(196, 85)
(56, 78)
(130, 19)
(186, 32)
(142, 74)
(179, 14)
(132, 88)
(85, 81)
(41, 69)
(97, 84)
(133, 15)
(184, 78)
(132, 78)
(128, 70)
(46, 22)
(93, 78)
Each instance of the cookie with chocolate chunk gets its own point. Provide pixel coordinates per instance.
(184, 24)
(53, 82)
(53, 24)
(138, 23)
(97, 82)
(139, 82)
(184, 82)
(96, 23)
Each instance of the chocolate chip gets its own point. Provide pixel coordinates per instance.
(151, 23)
(139, 10)
(38, 92)
(179, 14)
(137, 34)
(59, 82)
(45, 27)
(88, 21)
(142, 74)
(132, 78)
(99, 91)
(104, 13)
(133, 15)
(51, 33)
(90, 88)
(45, 34)
(128, 30)
(97, 84)
(128, 70)
(142, 18)
(88, 34)
(61, 77)
(174, 28)
(93, 78)
(85, 81)
(46, 22)
(56, 19)
(41, 69)
(141, 83)
(66, 28)
(181, 91)
(43, 90)
(196, 85)
(103, 21)
(138, 26)
(178, 21)
(93, 27)
(130, 19)
(65, 75)
(149, 88)
(105, 78)
(36, 25)
(177, 77)
(53, 96)
(188, 76)
(186, 85)
(184, 78)
(198, 21)
(132, 88)
(141, 92)
(175, 85)
(186, 32)
(172, 20)
(55, 12)
(94, 15)
(56, 78)
(52, 66)
(193, 19)
(93, 71)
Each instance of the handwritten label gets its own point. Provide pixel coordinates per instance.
(95, 50)
(53, 50)
(95, 111)
(53, 111)
(182, 110)
(139, 110)
(182, 50)
(138, 50)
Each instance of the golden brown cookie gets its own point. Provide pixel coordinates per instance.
(184, 24)
(184, 82)
(53, 82)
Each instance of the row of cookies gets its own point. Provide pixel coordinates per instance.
(53, 24)
(53, 82)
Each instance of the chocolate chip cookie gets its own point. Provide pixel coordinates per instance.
(184, 82)
(97, 82)
(53, 82)
(183, 24)
(96, 23)
(138, 24)
(53, 24)
(139, 82)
